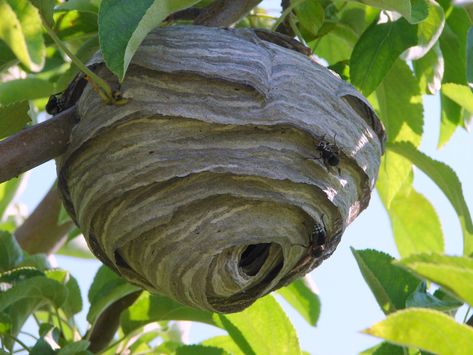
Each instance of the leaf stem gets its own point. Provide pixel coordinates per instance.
(102, 84)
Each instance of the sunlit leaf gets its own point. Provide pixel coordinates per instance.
(428, 31)
(460, 94)
(153, 308)
(91, 6)
(454, 274)
(301, 295)
(427, 329)
(416, 230)
(429, 70)
(224, 342)
(200, 350)
(250, 330)
(413, 10)
(46, 9)
(469, 57)
(21, 30)
(122, 27)
(447, 181)
(453, 43)
(377, 50)
(384, 349)
(7, 191)
(390, 284)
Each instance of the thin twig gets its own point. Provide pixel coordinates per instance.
(223, 13)
(35, 145)
(41, 233)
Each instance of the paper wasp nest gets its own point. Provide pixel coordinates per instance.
(219, 182)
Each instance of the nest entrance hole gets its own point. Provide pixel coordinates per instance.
(253, 258)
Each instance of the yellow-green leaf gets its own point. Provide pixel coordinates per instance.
(460, 94)
(447, 181)
(21, 30)
(453, 273)
(428, 330)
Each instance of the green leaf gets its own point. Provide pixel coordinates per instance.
(36, 289)
(13, 118)
(384, 349)
(413, 10)
(421, 298)
(91, 6)
(453, 43)
(428, 31)
(310, 14)
(377, 50)
(460, 94)
(453, 273)
(447, 181)
(249, 329)
(10, 252)
(429, 70)
(21, 30)
(25, 89)
(399, 104)
(73, 302)
(300, 295)
(12, 277)
(75, 348)
(106, 288)
(469, 56)
(42, 347)
(390, 284)
(153, 308)
(337, 45)
(7, 190)
(122, 27)
(427, 329)
(200, 350)
(46, 9)
(224, 342)
(5, 323)
(409, 223)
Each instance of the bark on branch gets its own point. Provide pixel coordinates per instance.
(223, 13)
(36, 145)
(41, 233)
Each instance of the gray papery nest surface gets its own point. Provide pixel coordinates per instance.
(207, 186)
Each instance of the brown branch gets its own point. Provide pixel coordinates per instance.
(41, 233)
(285, 28)
(186, 14)
(36, 145)
(223, 13)
(107, 324)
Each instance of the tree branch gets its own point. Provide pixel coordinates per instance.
(41, 233)
(107, 324)
(36, 145)
(223, 13)
(285, 28)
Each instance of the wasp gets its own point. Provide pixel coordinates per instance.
(329, 152)
(317, 241)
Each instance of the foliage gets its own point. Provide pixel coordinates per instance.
(393, 51)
